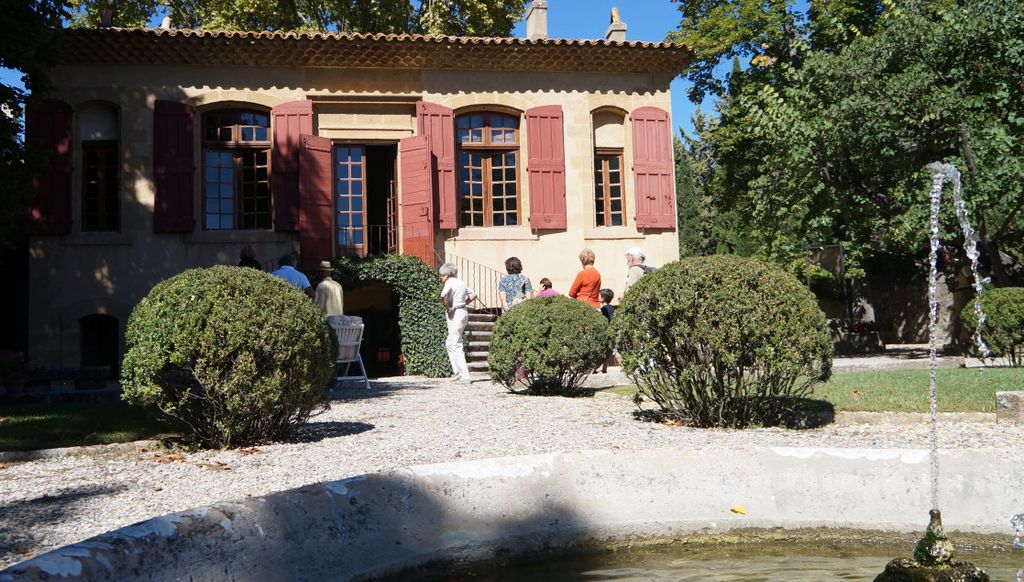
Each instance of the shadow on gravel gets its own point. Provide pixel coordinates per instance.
(24, 524)
(355, 391)
(312, 432)
(807, 413)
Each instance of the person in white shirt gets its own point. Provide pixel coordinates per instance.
(456, 295)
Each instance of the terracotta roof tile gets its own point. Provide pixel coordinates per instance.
(355, 50)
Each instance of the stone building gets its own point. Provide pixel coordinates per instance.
(176, 148)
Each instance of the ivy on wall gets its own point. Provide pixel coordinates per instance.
(421, 317)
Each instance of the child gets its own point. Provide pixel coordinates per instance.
(545, 288)
(607, 310)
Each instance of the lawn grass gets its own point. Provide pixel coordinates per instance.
(25, 427)
(960, 390)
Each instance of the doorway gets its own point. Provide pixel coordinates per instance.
(100, 342)
(365, 199)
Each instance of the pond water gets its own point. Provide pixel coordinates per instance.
(756, 562)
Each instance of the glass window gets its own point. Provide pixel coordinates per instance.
(99, 131)
(349, 166)
(236, 170)
(488, 169)
(608, 207)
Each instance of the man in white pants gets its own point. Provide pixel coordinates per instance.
(455, 295)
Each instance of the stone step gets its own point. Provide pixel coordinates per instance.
(485, 326)
(476, 357)
(475, 346)
(477, 366)
(480, 335)
(482, 316)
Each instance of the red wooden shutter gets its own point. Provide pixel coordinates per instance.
(48, 129)
(316, 201)
(545, 167)
(653, 168)
(290, 120)
(416, 197)
(173, 167)
(437, 124)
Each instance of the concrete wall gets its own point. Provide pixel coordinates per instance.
(85, 273)
(378, 524)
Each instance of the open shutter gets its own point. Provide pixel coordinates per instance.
(173, 167)
(437, 124)
(416, 197)
(545, 167)
(653, 168)
(48, 130)
(290, 121)
(316, 201)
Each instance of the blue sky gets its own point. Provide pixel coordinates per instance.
(648, 20)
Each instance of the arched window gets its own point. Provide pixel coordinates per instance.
(99, 131)
(609, 137)
(236, 169)
(488, 159)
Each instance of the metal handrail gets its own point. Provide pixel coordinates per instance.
(483, 280)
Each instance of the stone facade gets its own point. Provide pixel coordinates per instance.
(79, 274)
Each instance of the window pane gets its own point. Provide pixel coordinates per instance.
(499, 220)
(357, 220)
(343, 219)
(357, 171)
(357, 204)
(343, 203)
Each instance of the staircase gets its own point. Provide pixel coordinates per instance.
(479, 331)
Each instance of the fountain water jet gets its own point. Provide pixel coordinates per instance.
(933, 558)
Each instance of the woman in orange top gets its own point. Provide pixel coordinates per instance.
(587, 286)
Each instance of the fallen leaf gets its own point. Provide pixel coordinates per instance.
(248, 451)
(215, 466)
(739, 509)
(91, 436)
(857, 394)
(141, 450)
(3, 465)
(168, 458)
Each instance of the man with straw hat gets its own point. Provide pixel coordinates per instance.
(330, 297)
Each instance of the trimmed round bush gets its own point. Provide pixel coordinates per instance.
(1004, 326)
(547, 345)
(237, 356)
(723, 341)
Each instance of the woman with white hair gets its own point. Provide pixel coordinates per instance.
(456, 295)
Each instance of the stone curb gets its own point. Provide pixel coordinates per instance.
(846, 418)
(88, 451)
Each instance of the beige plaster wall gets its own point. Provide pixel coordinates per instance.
(85, 273)
(555, 254)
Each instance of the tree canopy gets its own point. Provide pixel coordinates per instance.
(454, 17)
(27, 45)
(823, 137)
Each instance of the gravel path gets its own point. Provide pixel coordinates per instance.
(53, 502)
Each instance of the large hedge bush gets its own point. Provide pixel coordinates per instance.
(1004, 326)
(421, 316)
(549, 345)
(238, 356)
(722, 340)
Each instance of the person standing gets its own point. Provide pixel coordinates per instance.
(247, 258)
(587, 286)
(635, 266)
(514, 288)
(545, 288)
(330, 297)
(456, 295)
(286, 270)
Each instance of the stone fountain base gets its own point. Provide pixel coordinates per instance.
(461, 513)
(907, 570)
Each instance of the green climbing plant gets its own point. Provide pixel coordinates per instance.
(420, 314)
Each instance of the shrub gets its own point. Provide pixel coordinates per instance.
(421, 316)
(1004, 326)
(722, 340)
(238, 356)
(554, 341)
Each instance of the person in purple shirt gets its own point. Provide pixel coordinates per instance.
(545, 288)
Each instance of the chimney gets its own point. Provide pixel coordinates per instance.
(617, 29)
(537, 20)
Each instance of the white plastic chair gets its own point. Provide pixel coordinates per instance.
(349, 331)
